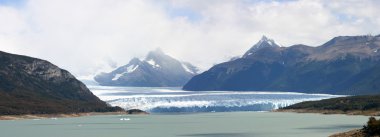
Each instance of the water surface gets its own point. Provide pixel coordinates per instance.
(221, 124)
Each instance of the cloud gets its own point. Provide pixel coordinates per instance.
(89, 36)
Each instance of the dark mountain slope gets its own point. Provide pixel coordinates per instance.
(344, 65)
(33, 86)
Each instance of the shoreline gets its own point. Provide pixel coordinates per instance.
(350, 133)
(331, 112)
(69, 115)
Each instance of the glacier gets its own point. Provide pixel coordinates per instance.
(167, 100)
(130, 69)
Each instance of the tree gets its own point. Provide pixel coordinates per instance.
(372, 128)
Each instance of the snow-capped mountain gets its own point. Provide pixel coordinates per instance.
(156, 70)
(346, 65)
(263, 43)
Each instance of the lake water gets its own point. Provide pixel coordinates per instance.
(177, 113)
(220, 124)
(175, 100)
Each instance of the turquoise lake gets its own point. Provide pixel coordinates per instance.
(220, 124)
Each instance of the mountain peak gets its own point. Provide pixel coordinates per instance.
(158, 51)
(263, 43)
(264, 38)
(134, 61)
(157, 69)
(155, 54)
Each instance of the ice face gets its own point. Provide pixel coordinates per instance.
(212, 102)
(153, 63)
(169, 100)
(187, 69)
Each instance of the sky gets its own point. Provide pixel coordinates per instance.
(90, 36)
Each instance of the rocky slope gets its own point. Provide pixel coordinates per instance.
(33, 86)
(343, 65)
(156, 70)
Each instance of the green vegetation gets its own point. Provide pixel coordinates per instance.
(372, 128)
(355, 105)
(345, 104)
(23, 102)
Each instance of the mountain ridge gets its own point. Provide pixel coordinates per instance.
(156, 70)
(339, 62)
(263, 43)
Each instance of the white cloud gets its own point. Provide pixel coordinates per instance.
(84, 36)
